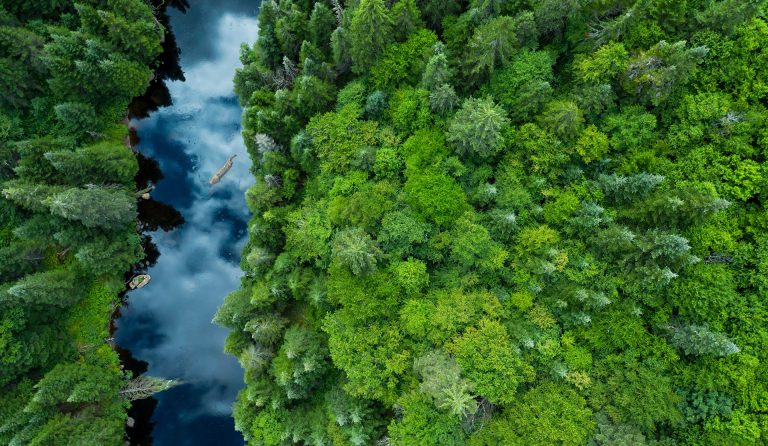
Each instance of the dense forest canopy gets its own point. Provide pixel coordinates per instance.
(496, 222)
(68, 232)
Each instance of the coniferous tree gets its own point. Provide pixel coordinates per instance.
(699, 340)
(59, 287)
(356, 250)
(94, 207)
(322, 22)
(476, 128)
(370, 32)
(406, 19)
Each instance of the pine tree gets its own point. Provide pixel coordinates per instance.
(441, 380)
(476, 129)
(143, 387)
(322, 22)
(623, 189)
(356, 250)
(58, 287)
(437, 72)
(443, 100)
(341, 47)
(102, 163)
(563, 118)
(655, 73)
(301, 362)
(110, 255)
(406, 19)
(699, 340)
(94, 207)
(267, 329)
(29, 196)
(370, 32)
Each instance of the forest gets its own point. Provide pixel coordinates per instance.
(68, 206)
(489, 222)
(474, 222)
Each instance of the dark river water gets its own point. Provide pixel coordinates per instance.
(167, 324)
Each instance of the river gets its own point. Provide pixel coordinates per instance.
(167, 324)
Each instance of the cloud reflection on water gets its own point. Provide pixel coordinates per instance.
(168, 323)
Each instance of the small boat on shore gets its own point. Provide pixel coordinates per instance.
(139, 281)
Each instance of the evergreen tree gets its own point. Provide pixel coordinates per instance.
(59, 287)
(341, 47)
(94, 207)
(101, 163)
(322, 22)
(699, 340)
(406, 19)
(370, 32)
(437, 72)
(356, 250)
(477, 127)
(443, 100)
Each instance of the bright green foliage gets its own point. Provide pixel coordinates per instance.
(485, 355)
(373, 365)
(473, 248)
(402, 233)
(549, 414)
(545, 228)
(423, 425)
(307, 233)
(409, 110)
(338, 136)
(411, 275)
(525, 85)
(604, 65)
(404, 63)
(592, 145)
(435, 196)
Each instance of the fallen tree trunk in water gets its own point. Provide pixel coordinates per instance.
(222, 171)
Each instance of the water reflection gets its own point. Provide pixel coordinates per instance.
(167, 324)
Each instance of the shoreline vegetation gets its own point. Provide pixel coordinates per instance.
(504, 222)
(68, 214)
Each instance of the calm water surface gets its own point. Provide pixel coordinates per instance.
(168, 323)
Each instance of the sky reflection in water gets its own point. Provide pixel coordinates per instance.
(168, 323)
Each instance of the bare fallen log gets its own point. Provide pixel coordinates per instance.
(222, 171)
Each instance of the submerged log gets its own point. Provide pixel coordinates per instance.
(222, 171)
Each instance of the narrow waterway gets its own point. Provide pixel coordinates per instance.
(167, 324)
